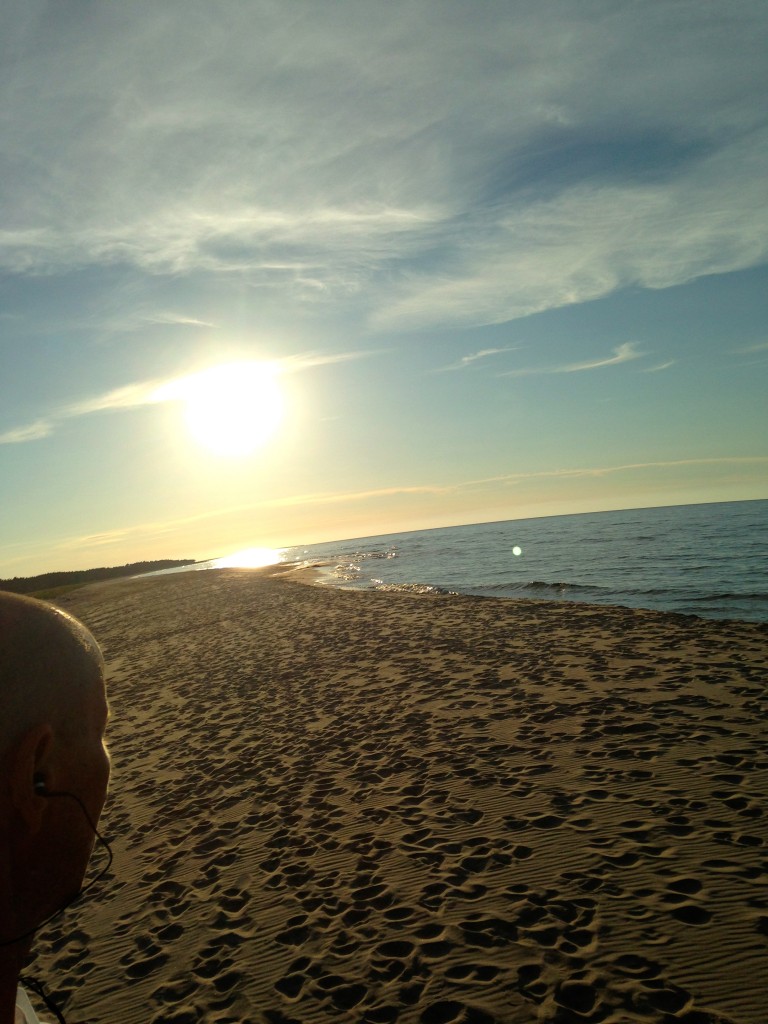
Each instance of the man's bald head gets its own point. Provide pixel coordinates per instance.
(53, 713)
(48, 662)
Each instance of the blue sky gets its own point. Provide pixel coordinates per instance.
(503, 259)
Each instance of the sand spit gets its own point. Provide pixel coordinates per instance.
(364, 807)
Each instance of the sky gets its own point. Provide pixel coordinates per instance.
(274, 273)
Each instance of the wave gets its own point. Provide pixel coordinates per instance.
(680, 600)
(556, 587)
(682, 593)
(730, 597)
(560, 586)
(412, 588)
(362, 556)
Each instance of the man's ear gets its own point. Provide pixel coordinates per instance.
(30, 761)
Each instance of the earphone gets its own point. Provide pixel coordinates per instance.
(41, 789)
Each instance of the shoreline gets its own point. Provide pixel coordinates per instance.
(322, 572)
(331, 804)
(312, 575)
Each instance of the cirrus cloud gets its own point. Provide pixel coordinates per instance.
(623, 353)
(154, 392)
(335, 153)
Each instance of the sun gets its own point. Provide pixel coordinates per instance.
(234, 408)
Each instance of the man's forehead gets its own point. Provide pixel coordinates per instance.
(76, 664)
(24, 620)
(79, 633)
(51, 670)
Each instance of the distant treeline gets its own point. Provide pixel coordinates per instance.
(50, 580)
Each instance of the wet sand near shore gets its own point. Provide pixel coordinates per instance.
(373, 807)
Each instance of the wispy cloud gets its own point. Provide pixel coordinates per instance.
(132, 396)
(129, 397)
(355, 166)
(308, 360)
(602, 471)
(153, 392)
(176, 526)
(590, 240)
(485, 353)
(30, 432)
(661, 366)
(751, 350)
(623, 353)
(173, 526)
(351, 497)
(175, 320)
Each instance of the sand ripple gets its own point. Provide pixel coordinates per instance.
(374, 807)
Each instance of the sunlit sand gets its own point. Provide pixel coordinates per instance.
(330, 805)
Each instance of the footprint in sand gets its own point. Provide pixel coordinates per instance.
(143, 968)
(530, 984)
(448, 1011)
(690, 913)
(580, 996)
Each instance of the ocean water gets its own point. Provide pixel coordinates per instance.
(709, 560)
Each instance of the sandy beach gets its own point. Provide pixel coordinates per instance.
(375, 807)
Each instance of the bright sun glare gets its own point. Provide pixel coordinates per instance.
(234, 408)
(250, 558)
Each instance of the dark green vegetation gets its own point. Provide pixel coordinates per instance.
(53, 584)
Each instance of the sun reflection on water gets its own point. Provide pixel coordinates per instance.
(249, 558)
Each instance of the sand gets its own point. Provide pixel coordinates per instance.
(373, 807)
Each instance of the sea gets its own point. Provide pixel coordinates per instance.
(709, 560)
